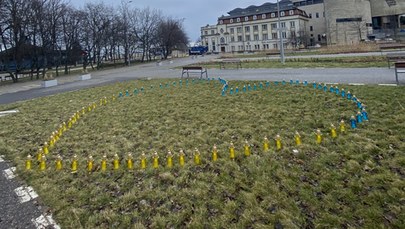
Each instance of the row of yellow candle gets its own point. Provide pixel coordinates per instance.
(41, 158)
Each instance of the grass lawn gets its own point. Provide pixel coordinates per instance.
(338, 62)
(355, 180)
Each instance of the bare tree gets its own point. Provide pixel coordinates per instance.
(170, 35)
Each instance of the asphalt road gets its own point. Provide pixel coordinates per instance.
(31, 90)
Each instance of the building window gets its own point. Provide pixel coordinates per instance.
(239, 29)
(247, 38)
(221, 22)
(293, 34)
(256, 37)
(221, 30)
(282, 13)
(231, 21)
(282, 24)
(233, 48)
(266, 46)
(247, 29)
(317, 15)
(273, 26)
(232, 39)
(319, 37)
(246, 18)
(292, 24)
(237, 19)
(239, 38)
(273, 14)
(232, 30)
(324, 14)
(263, 16)
(311, 28)
(291, 12)
(264, 27)
(275, 46)
(284, 34)
(212, 32)
(206, 32)
(265, 37)
(310, 15)
(254, 17)
(255, 28)
(274, 36)
(257, 47)
(222, 40)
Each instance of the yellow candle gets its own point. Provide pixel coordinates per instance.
(214, 153)
(318, 136)
(246, 148)
(181, 158)
(74, 164)
(104, 163)
(169, 159)
(28, 162)
(45, 148)
(116, 162)
(130, 161)
(232, 151)
(90, 164)
(143, 161)
(297, 138)
(266, 144)
(59, 163)
(39, 154)
(197, 159)
(279, 145)
(333, 133)
(64, 128)
(342, 126)
(42, 163)
(155, 160)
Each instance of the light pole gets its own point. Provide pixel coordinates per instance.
(280, 34)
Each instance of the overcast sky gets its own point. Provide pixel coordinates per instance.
(196, 13)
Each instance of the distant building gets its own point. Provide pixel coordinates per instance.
(305, 22)
(256, 29)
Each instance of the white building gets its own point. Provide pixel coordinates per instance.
(255, 28)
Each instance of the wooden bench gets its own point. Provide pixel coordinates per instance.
(194, 69)
(395, 57)
(238, 63)
(399, 68)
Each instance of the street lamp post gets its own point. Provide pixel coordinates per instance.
(280, 34)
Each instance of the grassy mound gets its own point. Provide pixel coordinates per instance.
(356, 180)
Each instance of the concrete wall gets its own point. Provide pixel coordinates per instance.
(348, 32)
(380, 8)
(318, 23)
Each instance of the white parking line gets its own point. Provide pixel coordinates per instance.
(43, 222)
(25, 194)
(1, 158)
(9, 173)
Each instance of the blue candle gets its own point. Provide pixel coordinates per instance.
(284, 83)
(353, 123)
(305, 83)
(244, 88)
(231, 91)
(261, 85)
(142, 89)
(276, 83)
(365, 115)
(254, 87)
(135, 91)
(359, 117)
(297, 82)
(236, 90)
(126, 93)
(267, 84)
(291, 82)
(223, 93)
(343, 93)
(349, 95)
(337, 90)
(314, 85)
(320, 86)
(332, 89)
(120, 95)
(354, 98)
(325, 88)
(160, 85)
(249, 87)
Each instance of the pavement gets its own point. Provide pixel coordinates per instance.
(15, 213)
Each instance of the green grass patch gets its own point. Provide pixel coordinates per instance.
(356, 180)
(338, 62)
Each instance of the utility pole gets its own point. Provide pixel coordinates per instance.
(280, 34)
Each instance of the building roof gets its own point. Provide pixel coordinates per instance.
(265, 8)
